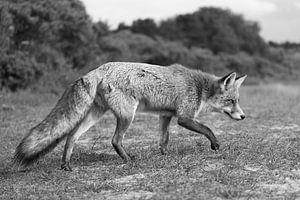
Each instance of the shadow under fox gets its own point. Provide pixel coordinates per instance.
(125, 88)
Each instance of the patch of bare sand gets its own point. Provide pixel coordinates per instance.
(252, 168)
(85, 141)
(293, 127)
(211, 166)
(109, 195)
(129, 180)
(287, 186)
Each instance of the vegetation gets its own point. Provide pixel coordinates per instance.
(49, 43)
(258, 159)
(46, 44)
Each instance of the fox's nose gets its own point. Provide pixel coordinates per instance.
(243, 117)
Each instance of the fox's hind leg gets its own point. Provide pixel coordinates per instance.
(124, 109)
(164, 122)
(122, 125)
(92, 117)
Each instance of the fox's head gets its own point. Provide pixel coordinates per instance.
(225, 98)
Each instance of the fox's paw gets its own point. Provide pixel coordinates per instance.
(128, 159)
(66, 167)
(215, 146)
(163, 151)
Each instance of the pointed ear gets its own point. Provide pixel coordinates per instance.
(239, 81)
(227, 81)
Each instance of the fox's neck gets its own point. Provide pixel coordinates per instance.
(206, 85)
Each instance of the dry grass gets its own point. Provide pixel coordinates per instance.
(259, 157)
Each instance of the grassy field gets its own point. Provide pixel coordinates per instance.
(259, 156)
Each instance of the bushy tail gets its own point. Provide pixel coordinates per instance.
(64, 117)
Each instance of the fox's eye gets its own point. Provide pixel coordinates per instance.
(228, 101)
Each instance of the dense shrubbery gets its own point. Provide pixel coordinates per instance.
(18, 71)
(215, 29)
(38, 37)
(44, 43)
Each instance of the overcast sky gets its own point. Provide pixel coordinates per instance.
(279, 19)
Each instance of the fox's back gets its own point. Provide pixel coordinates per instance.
(147, 77)
(144, 73)
(152, 85)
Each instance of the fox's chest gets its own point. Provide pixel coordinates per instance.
(145, 106)
(202, 108)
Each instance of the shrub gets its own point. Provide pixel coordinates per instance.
(18, 71)
(127, 46)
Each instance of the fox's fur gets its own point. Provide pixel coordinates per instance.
(125, 88)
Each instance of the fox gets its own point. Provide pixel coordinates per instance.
(125, 88)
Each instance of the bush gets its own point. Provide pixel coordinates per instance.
(255, 66)
(216, 29)
(18, 71)
(38, 37)
(127, 46)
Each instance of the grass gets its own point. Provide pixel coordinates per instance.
(259, 157)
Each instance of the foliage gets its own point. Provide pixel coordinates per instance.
(49, 43)
(17, 71)
(127, 46)
(44, 35)
(145, 26)
(215, 29)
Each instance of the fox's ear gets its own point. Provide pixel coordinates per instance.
(239, 81)
(227, 81)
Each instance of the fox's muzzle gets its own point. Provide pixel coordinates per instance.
(235, 113)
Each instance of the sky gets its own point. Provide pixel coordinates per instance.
(279, 19)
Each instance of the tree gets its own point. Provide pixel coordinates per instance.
(42, 36)
(168, 29)
(216, 29)
(144, 26)
(64, 25)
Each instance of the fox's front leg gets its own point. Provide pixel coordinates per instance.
(193, 125)
(164, 122)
